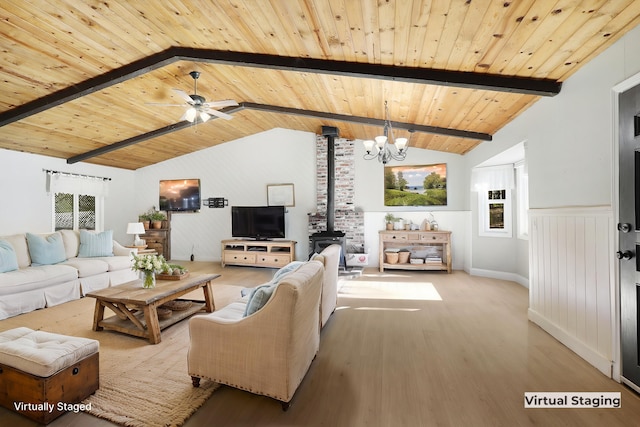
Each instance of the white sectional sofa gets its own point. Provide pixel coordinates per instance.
(42, 270)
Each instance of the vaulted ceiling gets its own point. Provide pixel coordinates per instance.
(81, 80)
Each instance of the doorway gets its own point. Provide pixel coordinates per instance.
(629, 233)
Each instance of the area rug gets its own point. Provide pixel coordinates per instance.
(141, 384)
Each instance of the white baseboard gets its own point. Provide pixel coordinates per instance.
(493, 274)
(600, 362)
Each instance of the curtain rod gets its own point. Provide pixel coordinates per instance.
(52, 172)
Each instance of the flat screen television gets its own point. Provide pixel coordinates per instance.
(257, 222)
(179, 195)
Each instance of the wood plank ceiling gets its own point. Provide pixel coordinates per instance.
(80, 77)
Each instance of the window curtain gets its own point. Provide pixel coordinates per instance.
(492, 178)
(77, 184)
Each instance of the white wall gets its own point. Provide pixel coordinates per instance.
(454, 217)
(570, 162)
(238, 171)
(26, 206)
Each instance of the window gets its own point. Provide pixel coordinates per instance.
(497, 199)
(494, 213)
(522, 191)
(494, 186)
(77, 200)
(74, 211)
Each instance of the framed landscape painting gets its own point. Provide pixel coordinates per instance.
(424, 185)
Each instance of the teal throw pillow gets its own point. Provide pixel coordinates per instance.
(46, 250)
(292, 266)
(259, 297)
(95, 244)
(8, 258)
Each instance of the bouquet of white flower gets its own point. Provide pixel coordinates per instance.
(149, 265)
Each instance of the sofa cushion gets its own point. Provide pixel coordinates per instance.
(71, 240)
(116, 263)
(19, 243)
(46, 250)
(38, 277)
(94, 244)
(259, 297)
(88, 267)
(8, 258)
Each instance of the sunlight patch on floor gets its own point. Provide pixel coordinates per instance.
(422, 291)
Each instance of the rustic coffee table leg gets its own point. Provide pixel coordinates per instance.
(153, 326)
(209, 304)
(98, 315)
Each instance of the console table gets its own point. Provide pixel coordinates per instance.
(258, 253)
(434, 248)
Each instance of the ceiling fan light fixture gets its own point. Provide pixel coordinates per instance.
(190, 115)
(204, 116)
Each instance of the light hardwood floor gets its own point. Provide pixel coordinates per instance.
(415, 349)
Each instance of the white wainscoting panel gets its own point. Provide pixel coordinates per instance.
(572, 279)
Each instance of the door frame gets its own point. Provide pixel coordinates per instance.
(623, 86)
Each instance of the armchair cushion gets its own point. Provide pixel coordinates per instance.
(259, 297)
(292, 266)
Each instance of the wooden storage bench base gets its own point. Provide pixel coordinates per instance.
(44, 399)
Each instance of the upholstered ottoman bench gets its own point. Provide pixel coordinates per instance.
(44, 375)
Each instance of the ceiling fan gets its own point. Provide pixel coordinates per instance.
(198, 107)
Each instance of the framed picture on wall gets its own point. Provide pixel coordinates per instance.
(280, 195)
(424, 185)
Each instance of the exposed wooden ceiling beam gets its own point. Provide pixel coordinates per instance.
(540, 87)
(281, 110)
(369, 121)
(482, 81)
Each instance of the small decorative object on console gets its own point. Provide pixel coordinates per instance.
(173, 272)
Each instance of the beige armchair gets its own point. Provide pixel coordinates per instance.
(268, 352)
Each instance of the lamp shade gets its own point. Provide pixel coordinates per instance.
(204, 116)
(190, 115)
(380, 141)
(135, 228)
(368, 145)
(401, 143)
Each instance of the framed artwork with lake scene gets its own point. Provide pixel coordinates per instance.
(424, 185)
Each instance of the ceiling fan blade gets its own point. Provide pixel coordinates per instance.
(219, 114)
(223, 103)
(184, 96)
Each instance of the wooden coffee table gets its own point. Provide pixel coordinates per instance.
(136, 307)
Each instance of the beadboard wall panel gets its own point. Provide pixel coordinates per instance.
(572, 279)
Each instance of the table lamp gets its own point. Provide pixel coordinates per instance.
(136, 228)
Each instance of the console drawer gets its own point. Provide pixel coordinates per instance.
(274, 260)
(395, 237)
(434, 238)
(239, 258)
